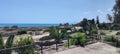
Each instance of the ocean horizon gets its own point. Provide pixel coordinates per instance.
(28, 25)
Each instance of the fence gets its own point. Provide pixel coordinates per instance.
(37, 47)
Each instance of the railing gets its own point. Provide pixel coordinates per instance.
(40, 47)
(36, 48)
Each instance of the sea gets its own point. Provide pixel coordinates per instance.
(28, 25)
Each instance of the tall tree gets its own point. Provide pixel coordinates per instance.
(109, 17)
(116, 12)
(97, 22)
(93, 21)
(84, 23)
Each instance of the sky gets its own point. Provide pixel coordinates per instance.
(53, 11)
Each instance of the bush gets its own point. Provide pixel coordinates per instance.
(26, 50)
(110, 39)
(94, 31)
(115, 27)
(110, 31)
(45, 38)
(78, 39)
(118, 43)
(118, 33)
(102, 33)
(113, 40)
(22, 32)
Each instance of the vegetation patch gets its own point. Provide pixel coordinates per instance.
(78, 39)
(112, 39)
(118, 33)
(110, 31)
(22, 32)
(45, 38)
(25, 41)
(93, 31)
(102, 33)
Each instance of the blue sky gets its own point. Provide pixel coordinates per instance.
(53, 11)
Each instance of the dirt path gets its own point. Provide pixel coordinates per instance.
(96, 48)
(37, 37)
(113, 33)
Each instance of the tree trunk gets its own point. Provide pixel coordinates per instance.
(41, 49)
(56, 45)
(68, 42)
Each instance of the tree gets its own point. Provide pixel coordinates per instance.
(116, 12)
(55, 32)
(66, 24)
(88, 25)
(109, 17)
(65, 34)
(93, 21)
(84, 24)
(97, 22)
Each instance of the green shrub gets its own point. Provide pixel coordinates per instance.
(45, 38)
(118, 33)
(115, 27)
(113, 40)
(78, 39)
(102, 33)
(118, 43)
(23, 42)
(94, 31)
(110, 31)
(22, 32)
(110, 39)
(7, 44)
(71, 42)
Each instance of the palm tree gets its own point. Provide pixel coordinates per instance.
(55, 32)
(65, 34)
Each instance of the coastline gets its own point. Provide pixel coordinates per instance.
(27, 25)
